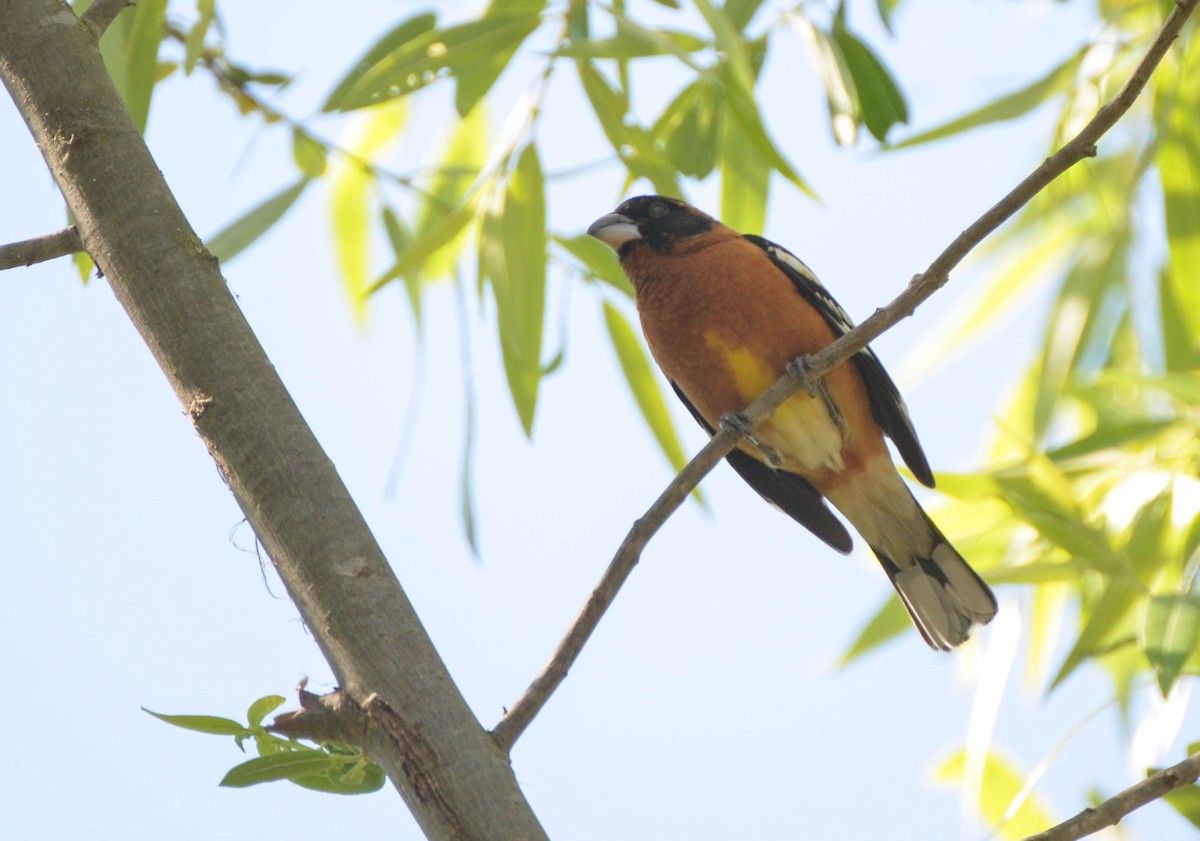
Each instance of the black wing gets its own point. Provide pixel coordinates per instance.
(887, 406)
(792, 494)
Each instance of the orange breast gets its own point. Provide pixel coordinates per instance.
(723, 322)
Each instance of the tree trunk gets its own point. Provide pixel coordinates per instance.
(450, 771)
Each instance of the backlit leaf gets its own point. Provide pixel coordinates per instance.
(141, 58)
(598, 261)
(1170, 635)
(889, 621)
(1000, 787)
(881, 104)
(241, 233)
(513, 257)
(204, 723)
(1007, 107)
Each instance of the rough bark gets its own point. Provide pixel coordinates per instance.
(453, 776)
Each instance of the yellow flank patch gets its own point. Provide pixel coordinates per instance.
(750, 375)
(801, 430)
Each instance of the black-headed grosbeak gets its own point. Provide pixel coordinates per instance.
(723, 315)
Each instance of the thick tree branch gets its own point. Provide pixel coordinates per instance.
(1112, 810)
(455, 780)
(40, 249)
(816, 366)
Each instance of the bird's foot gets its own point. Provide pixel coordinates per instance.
(801, 368)
(737, 423)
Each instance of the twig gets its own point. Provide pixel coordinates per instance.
(40, 249)
(1096, 818)
(921, 287)
(102, 13)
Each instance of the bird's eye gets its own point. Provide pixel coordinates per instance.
(658, 210)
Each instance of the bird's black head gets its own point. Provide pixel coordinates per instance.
(657, 221)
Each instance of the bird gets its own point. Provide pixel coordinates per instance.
(724, 314)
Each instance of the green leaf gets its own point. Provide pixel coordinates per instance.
(881, 103)
(632, 143)
(634, 42)
(308, 153)
(1109, 612)
(745, 181)
(475, 51)
(478, 69)
(598, 261)
(1148, 533)
(287, 765)
(403, 34)
(241, 233)
(1178, 165)
(689, 128)
(1002, 784)
(841, 99)
(261, 708)
(1007, 107)
(1170, 635)
(886, 10)
(206, 11)
(743, 108)
(204, 723)
(889, 621)
(513, 257)
(466, 152)
(646, 392)
(401, 240)
(363, 777)
(441, 234)
(741, 12)
(1186, 801)
(350, 204)
(141, 58)
(1181, 351)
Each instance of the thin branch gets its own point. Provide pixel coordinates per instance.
(921, 287)
(102, 13)
(1096, 818)
(40, 249)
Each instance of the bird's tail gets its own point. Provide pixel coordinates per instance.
(944, 596)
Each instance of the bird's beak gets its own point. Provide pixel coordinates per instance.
(614, 230)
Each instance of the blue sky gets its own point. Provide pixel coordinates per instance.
(707, 705)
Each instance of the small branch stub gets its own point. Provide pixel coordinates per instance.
(40, 249)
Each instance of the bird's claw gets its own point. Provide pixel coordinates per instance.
(737, 423)
(800, 368)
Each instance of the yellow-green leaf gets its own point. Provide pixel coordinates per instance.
(350, 203)
(206, 11)
(1170, 635)
(881, 103)
(513, 257)
(1179, 171)
(308, 153)
(889, 621)
(1007, 107)
(1105, 617)
(465, 155)
(141, 58)
(598, 261)
(1002, 784)
(242, 232)
(413, 29)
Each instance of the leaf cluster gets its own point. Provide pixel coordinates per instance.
(331, 767)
